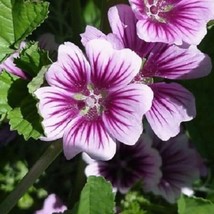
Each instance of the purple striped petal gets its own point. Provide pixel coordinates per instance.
(111, 68)
(172, 62)
(179, 167)
(124, 170)
(123, 24)
(172, 104)
(124, 111)
(90, 136)
(57, 108)
(71, 71)
(172, 21)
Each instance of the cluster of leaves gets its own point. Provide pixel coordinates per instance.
(18, 105)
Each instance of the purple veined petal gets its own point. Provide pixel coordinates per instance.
(89, 136)
(93, 33)
(190, 19)
(123, 170)
(123, 24)
(172, 21)
(71, 71)
(150, 31)
(172, 62)
(57, 108)
(111, 68)
(172, 104)
(124, 110)
(179, 167)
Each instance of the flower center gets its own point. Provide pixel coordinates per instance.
(90, 102)
(158, 9)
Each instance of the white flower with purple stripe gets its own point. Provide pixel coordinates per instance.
(172, 21)
(131, 164)
(91, 102)
(172, 104)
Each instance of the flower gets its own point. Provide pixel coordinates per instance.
(129, 165)
(168, 21)
(179, 167)
(52, 204)
(91, 103)
(10, 66)
(172, 104)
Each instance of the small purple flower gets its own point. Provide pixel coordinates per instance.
(91, 103)
(172, 21)
(172, 104)
(129, 165)
(10, 66)
(52, 204)
(179, 167)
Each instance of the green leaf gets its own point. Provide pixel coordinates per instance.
(32, 59)
(20, 106)
(25, 119)
(194, 206)
(96, 197)
(37, 81)
(6, 81)
(17, 20)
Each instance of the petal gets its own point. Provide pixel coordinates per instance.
(90, 34)
(93, 33)
(92, 169)
(172, 62)
(57, 108)
(52, 204)
(111, 68)
(123, 24)
(151, 31)
(124, 111)
(190, 18)
(71, 71)
(179, 167)
(10, 67)
(90, 136)
(172, 104)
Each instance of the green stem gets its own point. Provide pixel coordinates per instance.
(39, 167)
